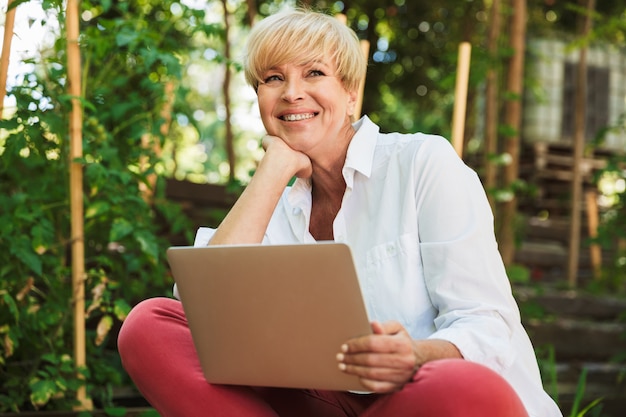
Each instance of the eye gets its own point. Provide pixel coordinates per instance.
(272, 78)
(316, 73)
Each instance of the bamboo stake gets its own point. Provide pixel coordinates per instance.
(6, 52)
(579, 143)
(491, 103)
(230, 139)
(595, 251)
(512, 118)
(460, 96)
(76, 195)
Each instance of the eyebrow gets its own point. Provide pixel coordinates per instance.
(301, 64)
(316, 62)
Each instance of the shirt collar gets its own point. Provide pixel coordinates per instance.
(300, 193)
(360, 154)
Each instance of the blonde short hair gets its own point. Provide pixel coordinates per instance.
(302, 36)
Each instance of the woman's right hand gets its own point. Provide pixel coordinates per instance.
(282, 156)
(247, 220)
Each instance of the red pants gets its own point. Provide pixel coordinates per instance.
(158, 353)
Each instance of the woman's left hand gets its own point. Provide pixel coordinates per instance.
(384, 361)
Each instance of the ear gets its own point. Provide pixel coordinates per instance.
(352, 99)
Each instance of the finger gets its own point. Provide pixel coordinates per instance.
(266, 141)
(390, 361)
(380, 387)
(383, 375)
(378, 344)
(389, 327)
(377, 327)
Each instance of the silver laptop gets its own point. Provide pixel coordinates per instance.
(271, 315)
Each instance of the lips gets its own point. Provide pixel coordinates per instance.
(295, 117)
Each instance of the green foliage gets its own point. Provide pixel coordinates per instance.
(547, 366)
(611, 182)
(413, 53)
(125, 232)
(564, 16)
(130, 52)
(518, 274)
(578, 398)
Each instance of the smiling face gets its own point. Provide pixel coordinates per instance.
(306, 68)
(306, 105)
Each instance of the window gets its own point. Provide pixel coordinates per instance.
(597, 116)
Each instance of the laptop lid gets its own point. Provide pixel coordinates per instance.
(271, 315)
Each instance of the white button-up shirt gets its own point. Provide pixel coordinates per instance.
(421, 233)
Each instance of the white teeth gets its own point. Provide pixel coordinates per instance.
(296, 117)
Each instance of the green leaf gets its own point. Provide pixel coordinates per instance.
(121, 309)
(10, 302)
(9, 124)
(96, 209)
(125, 37)
(61, 383)
(120, 229)
(50, 357)
(42, 235)
(507, 131)
(22, 250)
(106, 5)
(580, 392)
(148, 244)
(31, 259)
(589, 406)
(41, 392)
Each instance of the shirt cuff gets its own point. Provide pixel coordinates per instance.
(493, 352)
(203, 236)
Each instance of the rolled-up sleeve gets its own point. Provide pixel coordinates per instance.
(464, 273)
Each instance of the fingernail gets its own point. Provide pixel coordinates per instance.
(344, 348)
(340, 357)
(342, 366)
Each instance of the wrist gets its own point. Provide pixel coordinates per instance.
(432, 349)
(277, 169)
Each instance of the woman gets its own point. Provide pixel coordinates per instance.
(447, 338)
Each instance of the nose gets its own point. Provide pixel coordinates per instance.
(293, 89)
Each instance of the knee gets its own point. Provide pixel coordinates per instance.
(472, 384)
(141, 326)
(456, 373)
